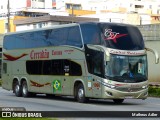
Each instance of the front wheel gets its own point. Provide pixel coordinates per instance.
(81, 94)
(118, 101)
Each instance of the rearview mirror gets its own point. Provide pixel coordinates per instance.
(155, 53)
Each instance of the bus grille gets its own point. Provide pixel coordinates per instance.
(129, 89)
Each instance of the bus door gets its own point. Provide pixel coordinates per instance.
(96, 86)
(72, 71)
(6, 75)
(95, 64)
(66, 79)
(97, 71)
(66, 84)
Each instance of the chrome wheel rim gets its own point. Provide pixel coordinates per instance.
(17, 88)
(80, 93)
(24, 89)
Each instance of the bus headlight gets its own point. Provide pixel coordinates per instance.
(145, 86)
(108, 85)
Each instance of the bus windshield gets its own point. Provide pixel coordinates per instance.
(130, 69)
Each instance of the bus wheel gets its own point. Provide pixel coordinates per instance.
(25, 92)
(81, 94)
(17, 89)
(118, 101)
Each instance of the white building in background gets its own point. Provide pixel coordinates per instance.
(47, 4)
(129, 5)
(138, 6)
(129, 18)
(15, 5)
(125, 11)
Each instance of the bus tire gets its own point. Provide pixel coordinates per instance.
(25, 92)
(118, 101)
(81, 94)
(17, 90)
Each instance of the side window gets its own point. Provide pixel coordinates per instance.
(25, 40)
(74, 37)
(76, 69)
(47, 67)
(90, 34)
(4, 68)
(53, 67)
(72, 69)
(36, 39)
(34, 67)
(56, 67)
(95, 62)
(58, 36)
(66, 65)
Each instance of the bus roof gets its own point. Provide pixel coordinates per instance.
(68, 25)
(40, 29)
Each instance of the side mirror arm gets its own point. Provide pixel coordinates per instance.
(155, 53)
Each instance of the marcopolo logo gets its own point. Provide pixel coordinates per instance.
(110, 35)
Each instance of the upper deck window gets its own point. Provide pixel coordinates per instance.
(43, 38)
(91, 34)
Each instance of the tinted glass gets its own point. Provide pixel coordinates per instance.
(53, 67)
(124, 37)
(51, 37)
(74, 37)
(4, 68)
(75, 69)
(34, 67)
(90, 33)
(95, 61)
(112, 35)
(127, 68)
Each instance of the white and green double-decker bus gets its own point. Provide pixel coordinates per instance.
(84, 60)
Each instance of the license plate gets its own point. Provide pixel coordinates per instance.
(129, 97)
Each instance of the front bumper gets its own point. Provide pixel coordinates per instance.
(116, 94)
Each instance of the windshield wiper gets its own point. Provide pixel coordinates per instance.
(127, 78)
(140, 78)
(118, 78)
(114, 78)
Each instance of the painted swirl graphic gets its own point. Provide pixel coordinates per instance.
(37, 84)
(13, 58)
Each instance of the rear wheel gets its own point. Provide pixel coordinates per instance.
(17, 89)
(81, 94)
(25, 92)
(118, 101)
